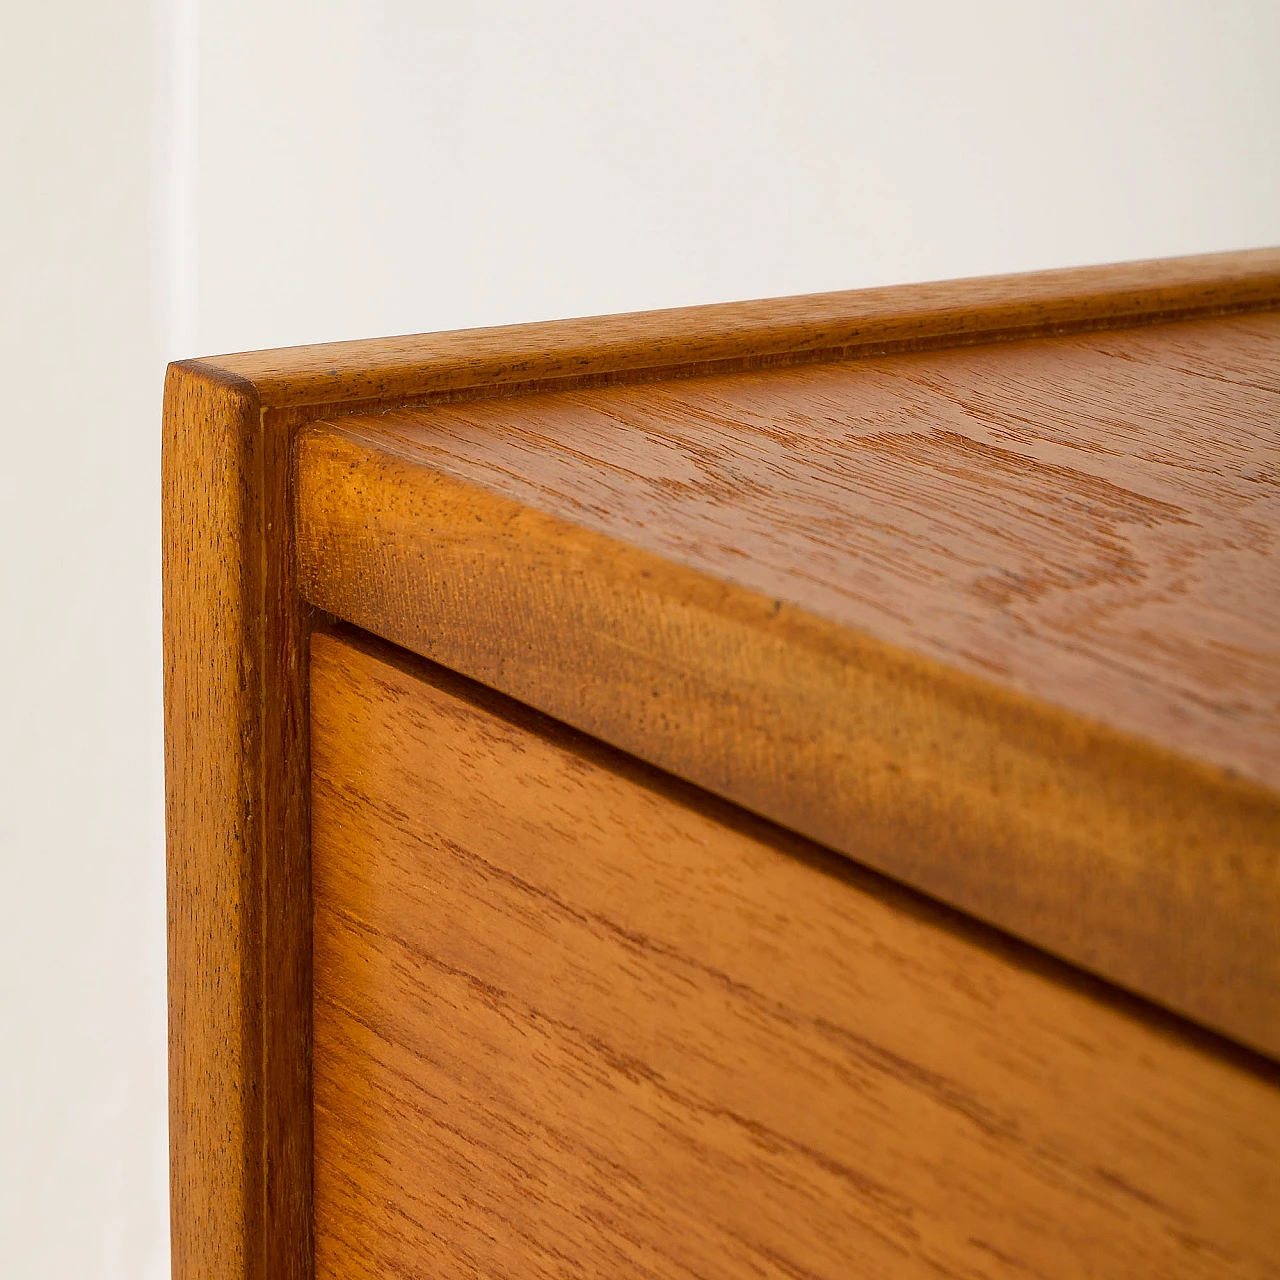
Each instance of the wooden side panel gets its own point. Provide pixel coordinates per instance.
(572, 1018)
(238, 882)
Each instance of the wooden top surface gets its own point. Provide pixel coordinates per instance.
(1091, 520)
(995, 614)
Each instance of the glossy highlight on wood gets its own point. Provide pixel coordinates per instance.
(574, 1018)
(1002, 621)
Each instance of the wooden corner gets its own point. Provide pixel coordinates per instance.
(235, 658)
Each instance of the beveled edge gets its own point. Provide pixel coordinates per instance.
(728, 335)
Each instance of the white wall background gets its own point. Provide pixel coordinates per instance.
(186, 176)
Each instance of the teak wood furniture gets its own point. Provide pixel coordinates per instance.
(781, 789)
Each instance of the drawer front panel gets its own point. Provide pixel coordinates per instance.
(573, 1018)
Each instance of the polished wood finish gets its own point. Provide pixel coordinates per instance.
(1002, 621)
(574, 1018)
(236, 659)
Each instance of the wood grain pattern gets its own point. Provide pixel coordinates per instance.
(1001, 621)
(573, 1019)
(235, 661)
(1092, 520)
